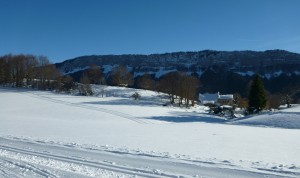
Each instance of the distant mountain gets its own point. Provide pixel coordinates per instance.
(270, 63)
(214, 68)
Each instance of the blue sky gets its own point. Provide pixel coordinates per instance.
(64, 29)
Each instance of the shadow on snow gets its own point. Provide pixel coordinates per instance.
(186, 117)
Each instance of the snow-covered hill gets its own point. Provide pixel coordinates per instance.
(287, 118)
(271, 63)
(223, 71)
(48, 134)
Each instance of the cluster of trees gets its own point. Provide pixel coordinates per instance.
(93, 75)
(120, 76)
(32, 71)
(146, 82)
(29, 70)
(179, 86)
(287, 96)
(259, 98)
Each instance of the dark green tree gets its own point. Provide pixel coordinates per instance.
(257, 96)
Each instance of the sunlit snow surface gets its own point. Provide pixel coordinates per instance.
(116, 123)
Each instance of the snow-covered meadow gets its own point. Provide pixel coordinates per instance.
(116, 123)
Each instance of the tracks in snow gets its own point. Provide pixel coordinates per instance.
(112, 112)
(58, 160)
(25, 167)
(7, 172)
(73, 160)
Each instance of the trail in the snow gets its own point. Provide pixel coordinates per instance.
(112, 112)
(84, 162)
(36, 157)
(30, 167)
(6, 170)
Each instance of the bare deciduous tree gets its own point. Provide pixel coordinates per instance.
(169, 84)
(30, 65)
(145, 82)
(17, 69)
(95, 74)
(120, 76)
(45, 72)
(84, 86)
(179, 85)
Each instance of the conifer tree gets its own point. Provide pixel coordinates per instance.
(257, 96)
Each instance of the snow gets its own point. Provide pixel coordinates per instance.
(163, 71)
(227, 96)
(297, 72)
(137, 74)
(275, 74)
(200, 72)
(278, 73)
(50, 167)
(286, 118)
(269, 75)
(248, 73)
(75, 70)
(108, 68)
(120, 125)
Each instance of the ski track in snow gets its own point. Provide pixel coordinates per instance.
(6, 172)
(115, 113)
(26, 167)
(79, 161)
(38, 159)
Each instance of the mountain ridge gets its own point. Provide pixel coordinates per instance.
(243, 61)
(224, 71)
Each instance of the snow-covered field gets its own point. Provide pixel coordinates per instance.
(43, 134)
(286, 118)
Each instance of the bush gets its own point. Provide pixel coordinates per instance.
(136, 96)
(85, 89)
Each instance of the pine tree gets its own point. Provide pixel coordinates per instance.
(257, 96)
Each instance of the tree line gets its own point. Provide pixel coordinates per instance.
(38, 72)
(27, 70)
(34, 72)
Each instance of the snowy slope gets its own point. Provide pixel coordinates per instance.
(141, 129)
(287, 118)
